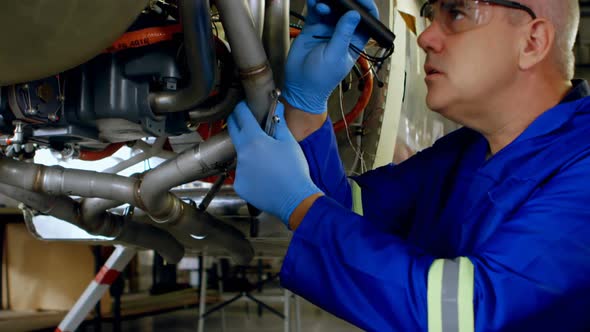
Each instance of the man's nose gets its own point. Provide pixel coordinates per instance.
(432, 38)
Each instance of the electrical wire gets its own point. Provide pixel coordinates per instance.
(29, 97)
(371, 58)
(63, 99)
(22, 98)
(376, 76)
(386, 53)
(363, 100)
(359, 155)
(367, 90)
(58, 86)
(60, 97)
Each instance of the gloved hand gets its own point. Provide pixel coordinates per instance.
(315, 66)
(272, 173)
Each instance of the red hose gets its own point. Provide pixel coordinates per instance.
(144, 37)
(364, 98)
(90, 155)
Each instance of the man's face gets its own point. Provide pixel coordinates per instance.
(467, 69)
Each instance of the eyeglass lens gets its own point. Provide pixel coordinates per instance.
(456, 16)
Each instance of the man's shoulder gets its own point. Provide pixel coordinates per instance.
(576, 130)
(580, 122)
(565, 148)
(441, 156)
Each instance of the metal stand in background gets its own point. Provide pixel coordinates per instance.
(107, 275)
(117, 288)
(254, 227)
(287, 297)
(220, 290)
(203, 292)
(98, 262)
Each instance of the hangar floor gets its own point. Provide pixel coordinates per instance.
(240, 316)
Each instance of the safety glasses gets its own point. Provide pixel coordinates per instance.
(456, 16)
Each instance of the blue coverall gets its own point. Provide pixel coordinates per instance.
(452, 240)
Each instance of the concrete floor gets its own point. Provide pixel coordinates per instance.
(241, 316)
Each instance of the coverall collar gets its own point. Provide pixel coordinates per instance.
(557, 116)
(475, 159)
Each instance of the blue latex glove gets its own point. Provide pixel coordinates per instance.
(315, 66)
(272, 173)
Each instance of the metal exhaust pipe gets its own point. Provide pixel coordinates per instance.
(200, 53)
(104, 224)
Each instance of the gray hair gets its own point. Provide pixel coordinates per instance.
(565, 16)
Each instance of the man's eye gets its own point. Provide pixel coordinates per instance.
(455, 9)
(456, 14)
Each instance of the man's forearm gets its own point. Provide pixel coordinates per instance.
(301, 210)
(302, 124)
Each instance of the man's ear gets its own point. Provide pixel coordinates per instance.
(539, 38)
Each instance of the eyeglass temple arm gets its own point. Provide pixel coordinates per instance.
(513, 4)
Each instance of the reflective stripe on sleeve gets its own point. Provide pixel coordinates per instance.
(357, 200)
(450, 295)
